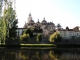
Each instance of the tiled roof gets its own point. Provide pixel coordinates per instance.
(66, 30)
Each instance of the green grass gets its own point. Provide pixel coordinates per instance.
(38, 45)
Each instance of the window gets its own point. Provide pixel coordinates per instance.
(64, 34)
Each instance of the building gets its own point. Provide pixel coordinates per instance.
(19, 31)
(49, 26)
(69, 33)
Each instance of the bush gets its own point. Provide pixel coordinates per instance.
(55, 37)
(39, 37)
(25, 37)
(29, 31)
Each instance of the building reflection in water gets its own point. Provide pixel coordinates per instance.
(29, 54)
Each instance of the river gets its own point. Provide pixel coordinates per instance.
(39, 54)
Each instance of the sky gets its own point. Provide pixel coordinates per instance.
(65, 12)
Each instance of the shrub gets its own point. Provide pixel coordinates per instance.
(24, 37)
(55, 37)
(39, 37)
(29, 31)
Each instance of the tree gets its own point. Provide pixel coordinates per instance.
(3, 29)
(67, 28)
(59, 26)
(55, 37)
(1, 5)
(39, 37)
(29, 31)
(9, 16)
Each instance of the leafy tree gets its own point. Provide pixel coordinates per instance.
(1, 2)
(39, 37)
(9, 16)
(3, 29)
(29, 31)
(55, 37)
(59, 26)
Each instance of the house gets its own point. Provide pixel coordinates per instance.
(69, 33)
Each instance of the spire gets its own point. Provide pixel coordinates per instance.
(44, 18)
(25, 22)
(29, 18)
(29, 14)
(38, 20)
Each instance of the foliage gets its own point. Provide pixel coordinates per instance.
(25, 37)
(58, 26)
(28, 31)
(1, 2)
(9, 16)
(39, 37)
(55, 37)
(26, 34)
(3, 29)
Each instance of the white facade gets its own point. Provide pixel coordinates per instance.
(67, 34)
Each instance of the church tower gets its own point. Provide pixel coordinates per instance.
(29, 18)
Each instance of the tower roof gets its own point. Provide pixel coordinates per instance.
(44, 18)
(29, 14)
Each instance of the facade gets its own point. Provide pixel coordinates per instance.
(69, 33)
(35, 31)
(19, 31)
(49, 26)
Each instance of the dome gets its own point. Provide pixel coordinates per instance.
(38, 21)
(44, 21)
(31, 21)
(50, 23)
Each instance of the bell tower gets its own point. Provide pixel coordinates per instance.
(29, 18)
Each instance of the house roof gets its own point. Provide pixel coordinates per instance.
(66, 30)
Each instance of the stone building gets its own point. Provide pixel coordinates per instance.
(46, 26)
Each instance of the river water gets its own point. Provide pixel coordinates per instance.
(40, 54)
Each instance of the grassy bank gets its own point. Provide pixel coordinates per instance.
(38, 45)
(29, 45)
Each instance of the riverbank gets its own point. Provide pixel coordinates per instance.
(30, 45)
(68, 45)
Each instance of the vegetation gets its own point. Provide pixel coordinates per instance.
(39, 37)
(55, 37)
(1, 2)
(59, 26)
(10, 16)
(29, 31)
(39, 45)
(25, 37)
(8, 22)
(3, 29)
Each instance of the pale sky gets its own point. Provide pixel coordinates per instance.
(65, 12)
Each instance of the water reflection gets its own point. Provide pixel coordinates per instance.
(40, 54)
